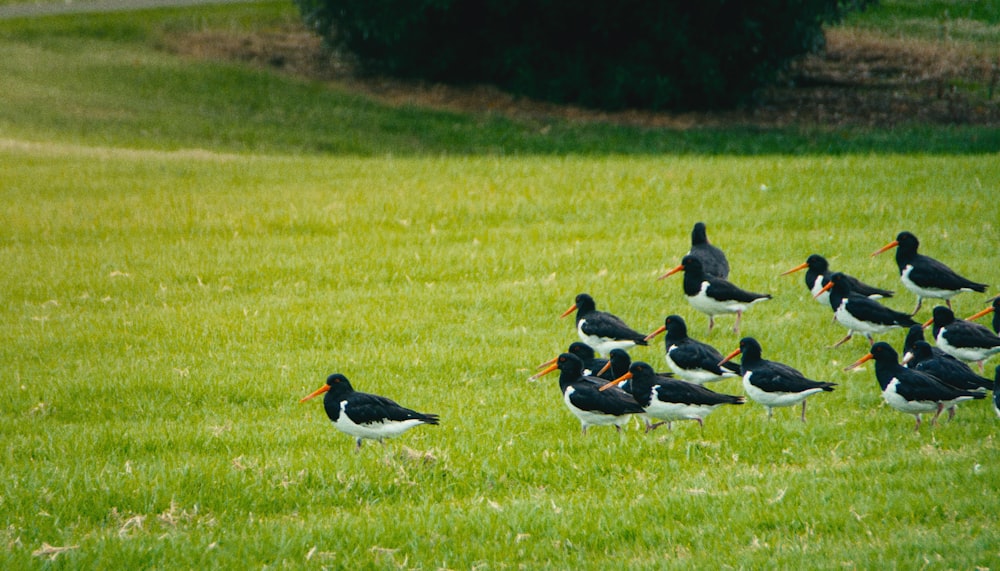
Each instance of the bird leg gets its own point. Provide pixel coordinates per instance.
(770, 412)
(652, 427)
(803, 411)
(736, 328)
(358, 447)
(842, 341)
(937, 413)
(951, 412)
(871, 340)
(918, 422)
(711, 323)
(920, 302)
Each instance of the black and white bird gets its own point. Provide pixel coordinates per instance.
(692, 360)
(601, 330)
(860, 314)
(908, 390)
(818, 275)
(914, 334)
(965, 340)
(364, 415)
(925, 276)
(592, 364)
(996, 395)
(993, 308)
(583, 396)
(714, 296)
(713, 260)
(947, 369)
(774, 384)
(667, 399)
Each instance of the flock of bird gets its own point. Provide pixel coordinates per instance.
(601, 385)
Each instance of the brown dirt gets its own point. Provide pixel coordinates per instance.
(860, 80)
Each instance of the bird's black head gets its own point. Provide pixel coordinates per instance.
(882, 352)
(569, 363)
(750, 349)
(585, 303)
(641, 369)
(907, 241)
(692, 265)
(840, 282)
(921, 351)
(620, 361)
(338, 383)
(676, 327)
(818, 263)
(943, 317)
(914, 334)
(582, 350)
(698, 235)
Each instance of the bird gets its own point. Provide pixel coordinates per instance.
(583, 397)
(601, 330)
(860, 314)
(996, 395)
(947, 369)
(774, 384)
(365, 415)
(669, 399)
(925, 276)
(714, 296)
(818, 274)
(690, 359)
(592, 365)
(713, 260)
(965, 340)
(994, 308)
(908, 390)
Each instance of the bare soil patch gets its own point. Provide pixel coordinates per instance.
(860, 80)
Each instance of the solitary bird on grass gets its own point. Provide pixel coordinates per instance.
(601, 330)
(818, 274)
(925, 276)
(774, 384)
(690, 359)
(364, 415)
(714, 296)
(712, 258)
(669, 399)
(908, 390)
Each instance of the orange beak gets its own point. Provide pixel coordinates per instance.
(801, 266)
(888, 246)
(859, 362)
(826, 288)
(571, 309)
(603, 369)
(616, 382)
(730, 356)
(659, 330)
(547, 363)
(986, 311)
(679, 268)
(317, 392)
(551, 367)
(928, 323)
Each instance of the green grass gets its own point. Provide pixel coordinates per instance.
(180, 269)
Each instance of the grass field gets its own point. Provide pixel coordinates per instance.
(190, 248)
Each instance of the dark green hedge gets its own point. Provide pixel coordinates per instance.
(697, 54)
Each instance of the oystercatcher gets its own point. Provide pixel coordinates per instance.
(364, 415)
(585, 399)
(714, 296)
(925, 276)
(774, 384)
(996, 395)
(592, 366)
(601, 330)
(713, 260)
(908, 390)
(994, 309)
(965, 340)
(669, 399)
(860, 314)
(818, 276)
(947, 369)
(690, 359)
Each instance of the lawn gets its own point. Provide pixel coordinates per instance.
(190, 248)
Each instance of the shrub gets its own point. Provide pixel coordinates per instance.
(627, 54)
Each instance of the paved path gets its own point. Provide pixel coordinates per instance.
(31, 10)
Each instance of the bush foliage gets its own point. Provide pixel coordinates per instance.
(629, 54)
